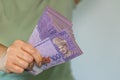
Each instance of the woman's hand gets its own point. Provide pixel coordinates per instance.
(19, 55)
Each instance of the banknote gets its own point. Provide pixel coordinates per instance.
(59, 20)
(55, 50)
(35, 36)
(53, 38)
(51, 21)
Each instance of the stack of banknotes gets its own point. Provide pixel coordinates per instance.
(54, 39)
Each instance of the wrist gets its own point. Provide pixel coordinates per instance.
(2, 49)
(3, 62)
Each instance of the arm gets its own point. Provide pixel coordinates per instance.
(17, 57)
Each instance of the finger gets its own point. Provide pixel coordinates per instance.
(34, 52)
(21, 63)
(30, 67)
(15, 69)
(25, 56)
(21, 44)
(38, 58)
(28, 48)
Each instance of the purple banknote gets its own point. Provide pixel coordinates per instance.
(51, 21)
(53, 38)
(56, 49)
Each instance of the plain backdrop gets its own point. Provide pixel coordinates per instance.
(96, 26)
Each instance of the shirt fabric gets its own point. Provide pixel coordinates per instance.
(17, 21)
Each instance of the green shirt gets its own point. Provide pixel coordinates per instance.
(17, 21)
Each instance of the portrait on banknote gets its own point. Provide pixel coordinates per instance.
(63, 46)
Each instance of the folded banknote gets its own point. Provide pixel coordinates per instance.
(53, 38)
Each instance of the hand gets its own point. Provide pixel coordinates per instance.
(19, 55)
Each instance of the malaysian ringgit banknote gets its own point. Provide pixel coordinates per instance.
(53, 38)
(52, 21)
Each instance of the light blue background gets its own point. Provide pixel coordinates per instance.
(97, 31)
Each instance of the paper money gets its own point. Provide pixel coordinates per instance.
(54, 39)
(52, 21)
(56, 49)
